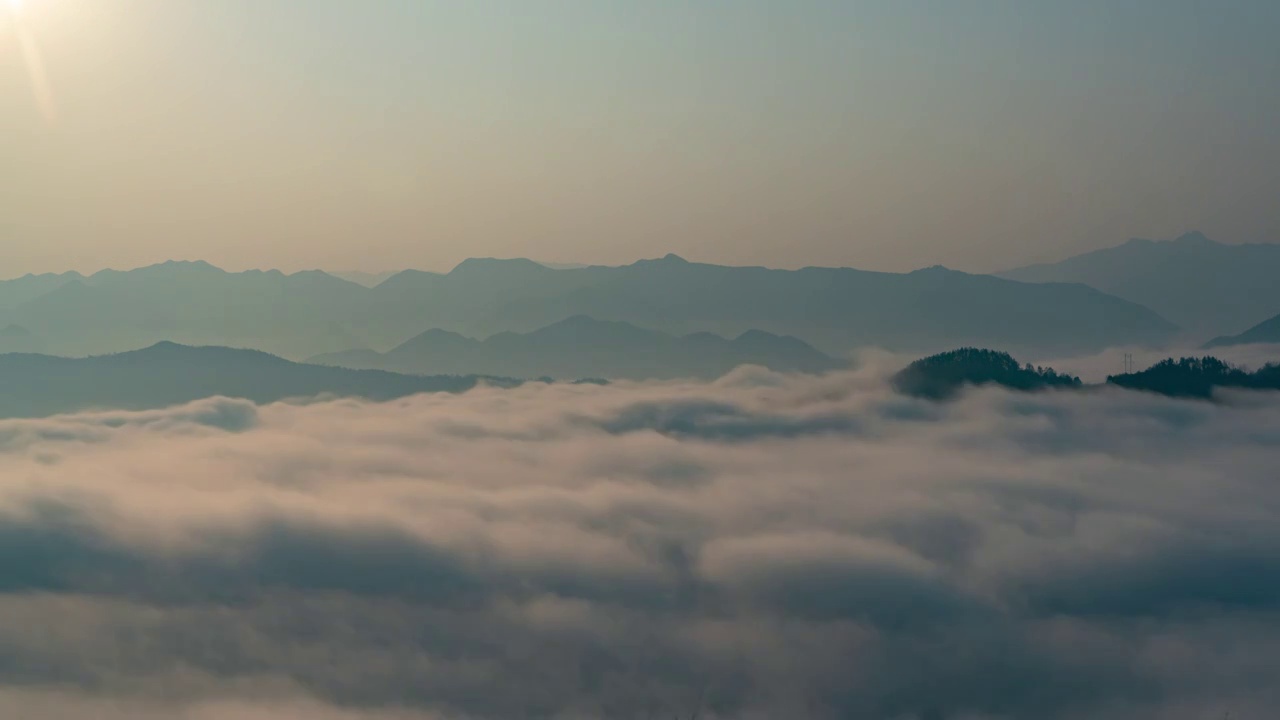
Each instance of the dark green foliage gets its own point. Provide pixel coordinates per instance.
(1267, 377)
(945, 374)
(1197, 377)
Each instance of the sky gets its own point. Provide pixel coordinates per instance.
(385, 134)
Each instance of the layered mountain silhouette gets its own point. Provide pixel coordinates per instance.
(187, 302)
(584, 347)
(1267, 331)
(15, 338)
(168, 374)
(309, 313)
(1201, 285)
(835, 309)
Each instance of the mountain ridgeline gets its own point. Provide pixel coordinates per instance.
(305, 314)
(168, 374)
(1205, 287)
(1266, 332)
(581, 347)
(946, 375)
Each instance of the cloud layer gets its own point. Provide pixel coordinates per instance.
(759, 547)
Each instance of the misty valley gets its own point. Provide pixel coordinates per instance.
(657, 360)
(606, 519)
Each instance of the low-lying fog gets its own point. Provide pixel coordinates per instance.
(763, 546)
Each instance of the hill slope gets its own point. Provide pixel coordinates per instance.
(169, 374)
(1201, 285)
(1267, 331)
(583, 347)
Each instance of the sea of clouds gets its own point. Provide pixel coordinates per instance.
(764, 546)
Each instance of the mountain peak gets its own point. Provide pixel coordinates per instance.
(433, 339)
(188, 264)
(1195, 237)
(755, 335)
(166, 267)
(481, 264)
(408, 279)
(579, 320)
(575, 324)
(668, 260)
(162, 346)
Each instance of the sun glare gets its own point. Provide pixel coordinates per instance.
(15, 5)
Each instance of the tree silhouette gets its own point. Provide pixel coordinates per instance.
(943, 375)
(1197, 377)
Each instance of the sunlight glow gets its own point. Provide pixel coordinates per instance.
(34, 60)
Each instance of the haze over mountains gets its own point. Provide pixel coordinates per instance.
(1205, 287)
(835, 309)
(186, 302)
(367, 279)
(581, 347)
(309, 313)
(1265, 332)
(168, 374)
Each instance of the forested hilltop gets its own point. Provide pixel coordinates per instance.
(1198, 377)
(945, 375)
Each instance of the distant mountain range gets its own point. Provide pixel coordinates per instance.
(168, 374)
(1267, 331)
(1205, 287)
(583, 347)
(310, 313)
(834, 309)
(187, 302)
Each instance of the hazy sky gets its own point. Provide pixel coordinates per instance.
(389, 133)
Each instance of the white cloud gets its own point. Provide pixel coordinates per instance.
(779, 546)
